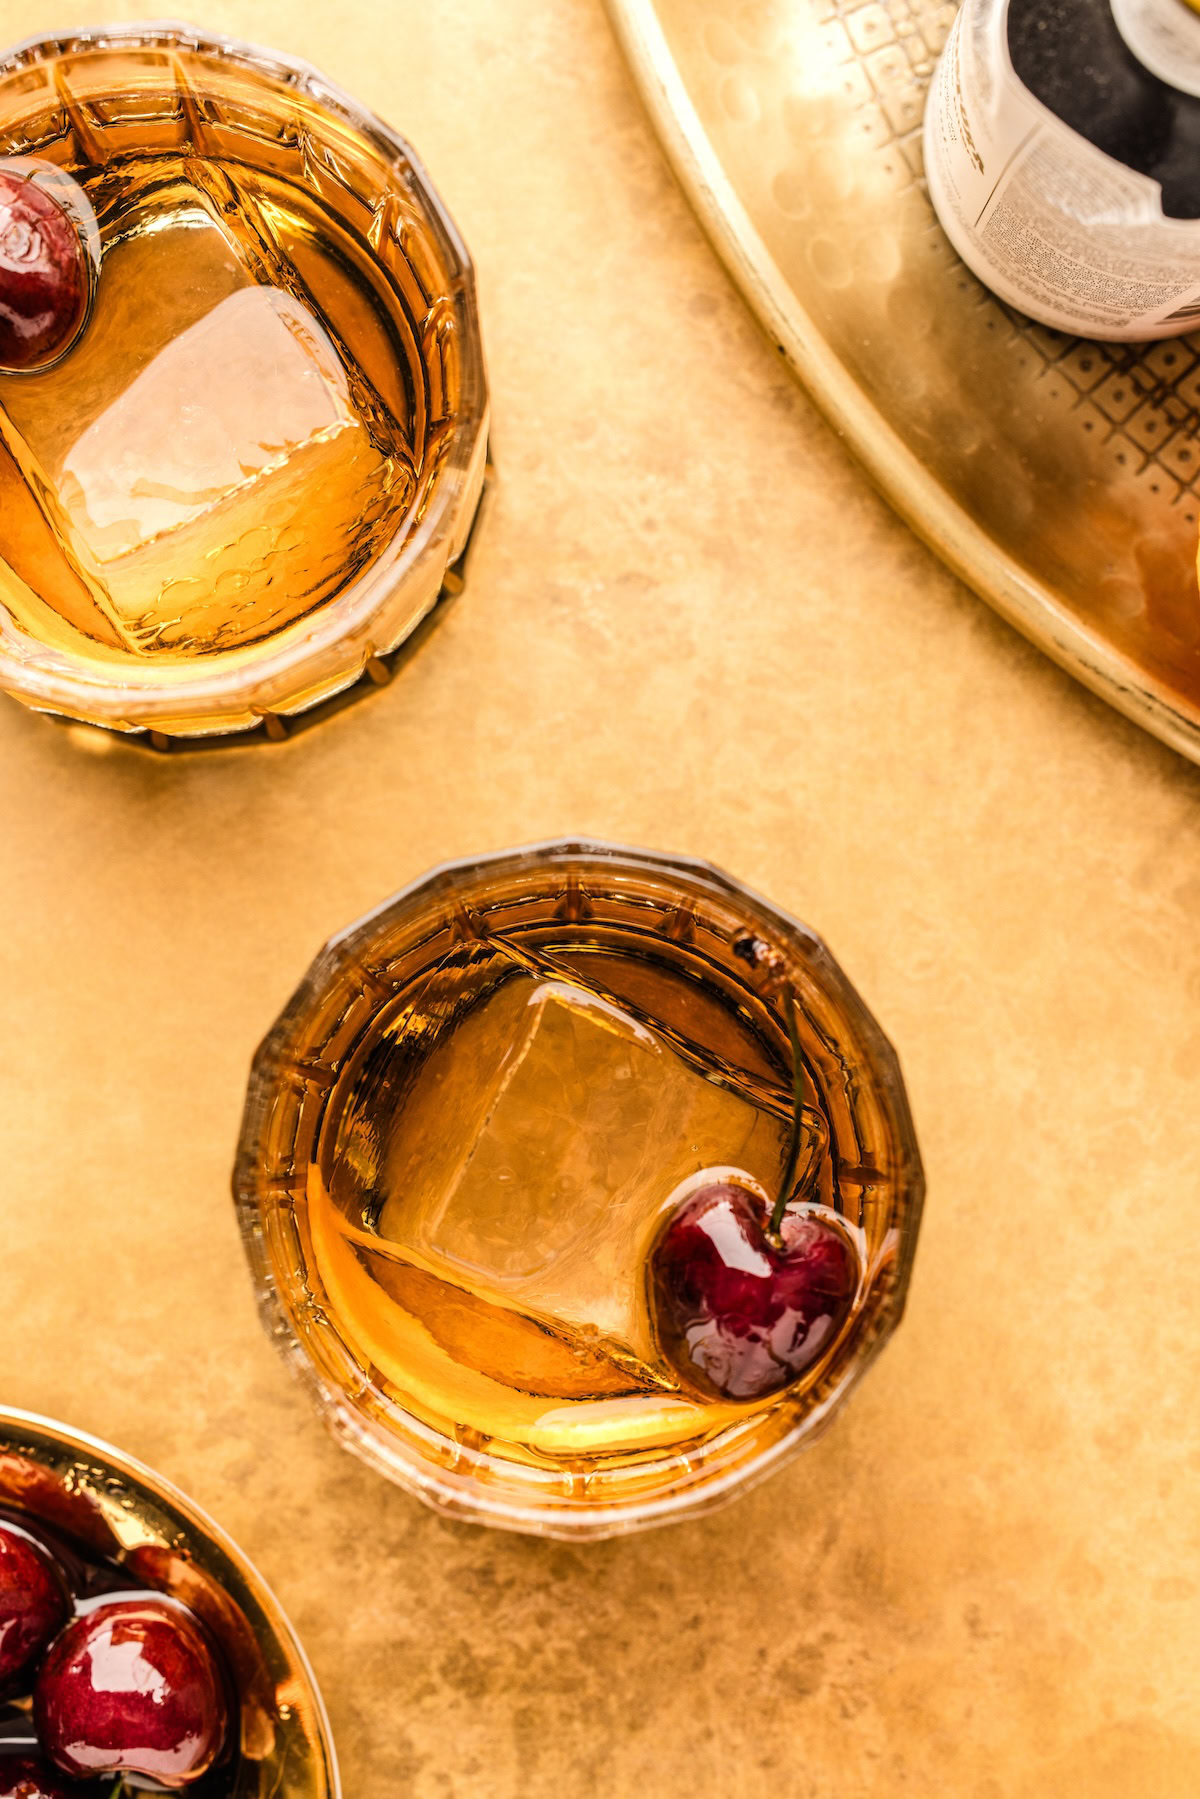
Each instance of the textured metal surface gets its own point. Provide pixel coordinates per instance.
(689, 621)
(1056, 475)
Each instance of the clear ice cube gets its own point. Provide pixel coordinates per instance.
(199, 453)
(532, 1157)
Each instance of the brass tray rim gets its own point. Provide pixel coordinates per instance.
(908, 486)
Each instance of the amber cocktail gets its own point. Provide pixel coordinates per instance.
(242, 400)
(580, 1185)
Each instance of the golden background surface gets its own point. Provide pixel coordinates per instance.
(690, 623)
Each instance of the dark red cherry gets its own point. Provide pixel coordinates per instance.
(737, 1314)
(132, 1686)
(43, 274)
(29, 1777)
(33, 1601)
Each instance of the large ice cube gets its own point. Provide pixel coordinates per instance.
(531, 1158)
(198, 452)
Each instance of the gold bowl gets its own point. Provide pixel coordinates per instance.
(120, 1510)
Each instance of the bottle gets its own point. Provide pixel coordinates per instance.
(1062, 150)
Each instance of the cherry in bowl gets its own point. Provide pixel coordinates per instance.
(133, 1686)
(34, 1603)
(31, 1777)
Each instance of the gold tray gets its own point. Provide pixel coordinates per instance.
(1057, 476)
(124, 1511)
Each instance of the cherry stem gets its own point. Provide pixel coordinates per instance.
(799, 1129)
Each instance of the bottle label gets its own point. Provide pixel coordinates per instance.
(1050, 223)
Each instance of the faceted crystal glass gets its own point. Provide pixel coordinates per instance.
(246, 477)
(462, 1139)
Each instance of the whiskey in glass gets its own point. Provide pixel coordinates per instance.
(243, 410)
(580, 1186)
